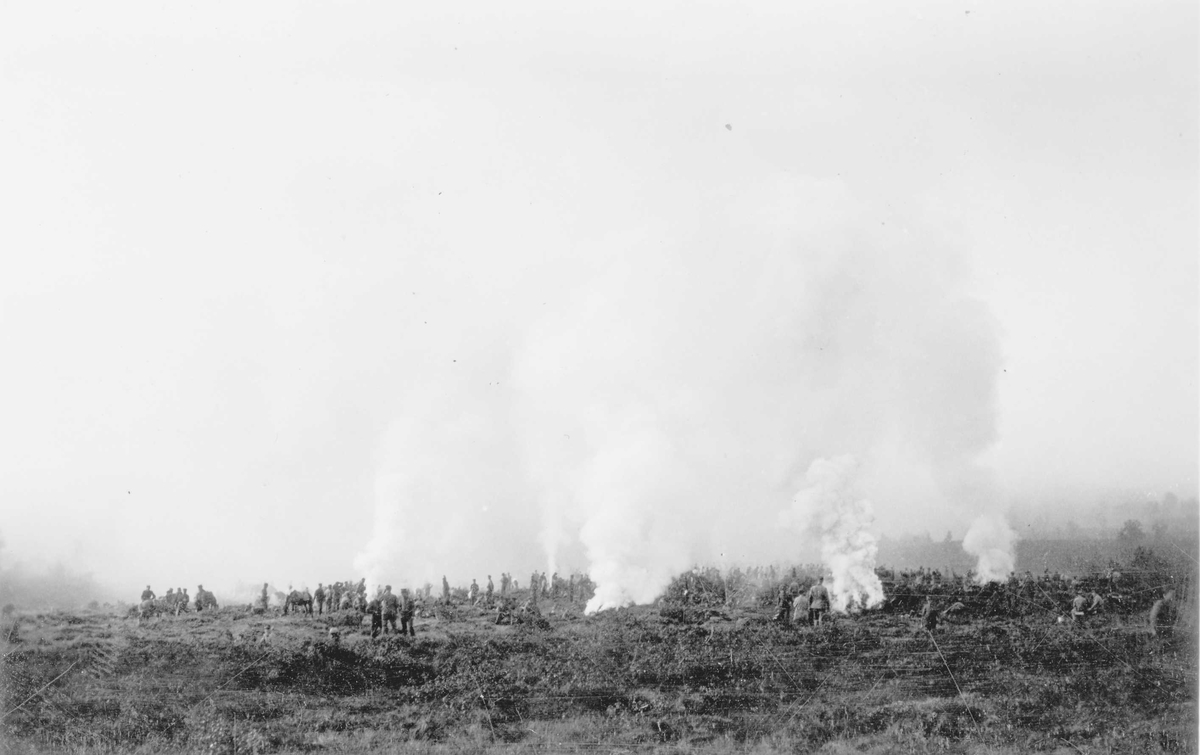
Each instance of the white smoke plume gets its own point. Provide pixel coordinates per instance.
(643, 402)
(991, 540)
(829, 509)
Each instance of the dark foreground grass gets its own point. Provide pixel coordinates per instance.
(626, 681)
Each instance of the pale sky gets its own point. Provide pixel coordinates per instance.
(269, 267)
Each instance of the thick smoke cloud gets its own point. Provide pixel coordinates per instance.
(829, 510)
(662, 391)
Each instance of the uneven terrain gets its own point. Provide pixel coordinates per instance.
(651, 678)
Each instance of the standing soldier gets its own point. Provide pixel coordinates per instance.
(473, 594)
(319, 598)
(783, 607)
(818, 602)
(263, 600)
(491, 590)
(929, 615)
(148, 594)
(800, 609)
(445, 589)
(407, 609)
(375, 608)
(389, 609)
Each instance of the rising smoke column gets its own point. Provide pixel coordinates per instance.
(632, 555)
(991, 540)
(829, 509)
(662, 388)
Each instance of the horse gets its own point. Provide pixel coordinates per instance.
(300, 601)
(148, 609)
(205, 600)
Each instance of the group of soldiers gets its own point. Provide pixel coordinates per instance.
(803, 607)
(384, 608)
(176, 601)
(935, 597)
(340, 596)
(553, 587)
(801, 599)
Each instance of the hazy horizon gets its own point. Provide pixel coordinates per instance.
(294, 294)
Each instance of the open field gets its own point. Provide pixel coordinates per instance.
(623, 681)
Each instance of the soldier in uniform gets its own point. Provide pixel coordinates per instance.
(783, 608)
(445, 589)
(1078, 608)
(473, 593)
(818, 602)
(491, 590)
(407, 609)
(375, 608)
(929, 615)
(390, 604)
(800, 609)
(148, 594)
(319, 598)
(182, 601)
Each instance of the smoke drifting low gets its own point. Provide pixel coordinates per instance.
(651, 401)
(992, 541)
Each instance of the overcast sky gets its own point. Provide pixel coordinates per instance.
(284, 280)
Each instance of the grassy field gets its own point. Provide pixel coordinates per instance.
(624, 681)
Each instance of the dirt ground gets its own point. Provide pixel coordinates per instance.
(629, 680)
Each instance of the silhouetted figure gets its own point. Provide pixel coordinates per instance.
(390, 606)
(407, 609)
(818, 602)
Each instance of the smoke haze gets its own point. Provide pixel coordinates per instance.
(992, 541)
(677, 383)
(398, 292)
